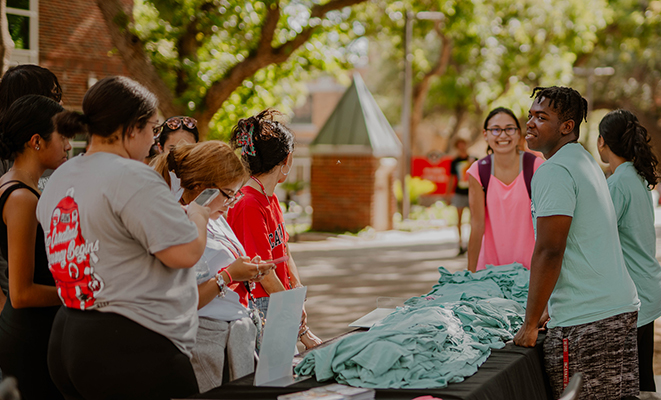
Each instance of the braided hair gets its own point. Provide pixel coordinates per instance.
(566, 102)
(264, 142)
(627, 138)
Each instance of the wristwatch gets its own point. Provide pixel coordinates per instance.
(221, 285)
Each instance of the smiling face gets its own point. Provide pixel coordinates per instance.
(544, 130)
(502, 142)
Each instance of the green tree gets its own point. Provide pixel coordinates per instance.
(221, 60)
(486, 53)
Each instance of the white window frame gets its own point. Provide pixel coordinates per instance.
(31, 56)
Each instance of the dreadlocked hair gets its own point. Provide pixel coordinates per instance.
(627, 138)
(271, 141)
(566, 102)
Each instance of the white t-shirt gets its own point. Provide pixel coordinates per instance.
(104, 217)
(222, 249)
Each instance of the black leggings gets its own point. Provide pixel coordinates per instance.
(645, 356)
(94, 355)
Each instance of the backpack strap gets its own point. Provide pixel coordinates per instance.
(484, 168)
(528, 170)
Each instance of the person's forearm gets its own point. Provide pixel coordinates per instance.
(294, 277)
(35, 295)
(272, 284)
(543, 277)
(474, 246)
(3, 299)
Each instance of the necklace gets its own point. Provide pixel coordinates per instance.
(261, 187)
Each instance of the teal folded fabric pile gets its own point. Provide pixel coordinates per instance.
(435, 339)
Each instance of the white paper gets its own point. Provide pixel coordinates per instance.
(279, 340)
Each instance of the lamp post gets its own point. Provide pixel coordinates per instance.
(406, 106)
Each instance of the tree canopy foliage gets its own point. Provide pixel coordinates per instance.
(220, 60)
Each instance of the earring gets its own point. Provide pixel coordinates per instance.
(283, 172)
(36, 147)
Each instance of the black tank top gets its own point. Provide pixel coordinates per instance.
(26, 319)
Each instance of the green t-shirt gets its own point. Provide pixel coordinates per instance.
(594, 283)
(635, 223)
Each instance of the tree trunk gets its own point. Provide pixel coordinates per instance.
(135, 59)
(6, 44)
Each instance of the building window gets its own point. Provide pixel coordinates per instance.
(23, 21)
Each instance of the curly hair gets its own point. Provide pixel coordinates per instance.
(566, 102)
(270, 141)
(627, 138)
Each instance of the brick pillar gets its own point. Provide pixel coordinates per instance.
(342, 192)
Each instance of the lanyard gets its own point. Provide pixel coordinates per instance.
(261, 187)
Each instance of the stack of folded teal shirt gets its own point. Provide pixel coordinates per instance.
(435, 339)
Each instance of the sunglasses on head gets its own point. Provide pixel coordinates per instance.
(175, 123)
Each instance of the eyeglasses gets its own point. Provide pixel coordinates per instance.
(175, 123)
(229, 200)
(156, 129)
(510, 131)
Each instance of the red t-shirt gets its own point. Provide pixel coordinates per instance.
(260, 227)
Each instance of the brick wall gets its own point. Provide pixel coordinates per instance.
(342, 193)
(75, 45)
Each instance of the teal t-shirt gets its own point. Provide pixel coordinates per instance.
(594, 283)
(635, 223)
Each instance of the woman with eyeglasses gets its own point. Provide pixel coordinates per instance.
(226, 325)
(624, 145)
(267, 148)
(121, 250)
(499, 196)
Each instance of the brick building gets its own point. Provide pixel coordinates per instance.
(353, 165)
(69, 38)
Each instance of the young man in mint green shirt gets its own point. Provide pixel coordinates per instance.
(577, 267)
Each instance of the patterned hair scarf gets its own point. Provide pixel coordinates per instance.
(245, 141)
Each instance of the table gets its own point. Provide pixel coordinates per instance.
(509, 373)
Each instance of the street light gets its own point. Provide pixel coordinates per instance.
(406, 107)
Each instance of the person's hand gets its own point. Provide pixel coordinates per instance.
(195, 209)
(543, 320)
(526, 336)
(309, 339)
(244, 269)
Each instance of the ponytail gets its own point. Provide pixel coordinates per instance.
(627, 138)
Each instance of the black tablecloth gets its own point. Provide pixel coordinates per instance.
(510, 373)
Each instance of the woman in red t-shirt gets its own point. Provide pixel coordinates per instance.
(257, 220)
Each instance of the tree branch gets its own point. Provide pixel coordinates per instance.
(263, 55)
(131, 49)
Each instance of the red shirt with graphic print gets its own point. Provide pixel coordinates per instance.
(259, 225)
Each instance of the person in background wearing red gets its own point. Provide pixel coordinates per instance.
(267, 148)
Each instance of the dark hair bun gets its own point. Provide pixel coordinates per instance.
(69, 123)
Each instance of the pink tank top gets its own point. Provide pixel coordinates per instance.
(508, 231)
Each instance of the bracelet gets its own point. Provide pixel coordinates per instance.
(221, 285)
(307, 329)
(228, 274)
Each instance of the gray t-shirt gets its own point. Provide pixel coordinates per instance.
(104, 217)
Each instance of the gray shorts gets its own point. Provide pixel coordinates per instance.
(604, 351)
(460, 200)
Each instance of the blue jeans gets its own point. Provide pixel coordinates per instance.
(262, 305)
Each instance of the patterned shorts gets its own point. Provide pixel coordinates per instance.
(605, 352)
